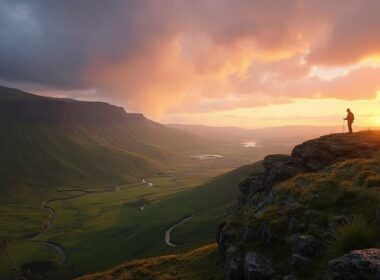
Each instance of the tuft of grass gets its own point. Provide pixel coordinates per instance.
(372, 181)
(357, 233)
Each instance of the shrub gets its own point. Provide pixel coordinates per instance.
(354, 234)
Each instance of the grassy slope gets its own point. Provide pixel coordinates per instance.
(192, 265)
(130, 233)
(208, 203)
(57, 155)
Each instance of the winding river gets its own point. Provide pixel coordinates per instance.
(169, 231)
(147, 183)
(49, 221)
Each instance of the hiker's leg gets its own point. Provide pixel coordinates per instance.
(350, 127)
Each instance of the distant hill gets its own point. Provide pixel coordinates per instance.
(272, 134)
(63, 141)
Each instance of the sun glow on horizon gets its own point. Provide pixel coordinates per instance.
(319, 112)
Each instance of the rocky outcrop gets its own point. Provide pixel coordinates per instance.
(256, 267)
(307, 246)
(359, 264)
(318, 153)
(246, 223)
(378, 216)
(311, 156)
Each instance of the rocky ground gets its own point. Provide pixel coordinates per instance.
(312, 215)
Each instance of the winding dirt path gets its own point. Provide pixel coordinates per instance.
(169, 231)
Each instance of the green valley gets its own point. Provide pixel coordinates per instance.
(100, 227)
(85, 185)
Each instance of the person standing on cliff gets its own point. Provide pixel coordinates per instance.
(350, 119)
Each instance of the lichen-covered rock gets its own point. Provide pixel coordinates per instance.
(305, 245)
(378, 216)
(244, 186)
(256, 183)
(359, 264)
(266, 233)
(318, 153)
(280, 168)
(234, 264)
(264, 202)
(256, 267)
(249, 234)
(299, 261)
(289, 277)
(225, 236)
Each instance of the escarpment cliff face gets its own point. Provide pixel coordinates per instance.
(19, 107)
(52, 141)
(304, 210)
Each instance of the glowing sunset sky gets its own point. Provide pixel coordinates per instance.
(218, 62)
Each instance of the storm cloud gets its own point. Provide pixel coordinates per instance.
(175, 55)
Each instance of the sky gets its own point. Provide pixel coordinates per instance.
(247, 63)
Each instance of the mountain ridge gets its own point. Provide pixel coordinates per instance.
(70, 142)
(20, 106)
(293, 133)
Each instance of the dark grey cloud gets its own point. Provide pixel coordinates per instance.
(51, 42)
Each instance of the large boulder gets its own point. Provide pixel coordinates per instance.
(256, 267)
(306, 245)
(378, 215)
(234, 264)
(253, 184)
(280, 168)
(318, 153)
(299, 261)
(359, 264)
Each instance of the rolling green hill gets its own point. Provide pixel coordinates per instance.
(48, 141)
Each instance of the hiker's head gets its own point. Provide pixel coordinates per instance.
(348, 110)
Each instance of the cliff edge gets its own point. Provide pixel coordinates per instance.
(313, 214)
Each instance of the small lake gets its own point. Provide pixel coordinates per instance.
(206, 157)
(249, 144)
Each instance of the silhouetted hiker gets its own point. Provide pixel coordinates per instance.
(350, 119)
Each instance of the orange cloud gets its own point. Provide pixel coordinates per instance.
(204, 55)
(354, 35)
(149, 82)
